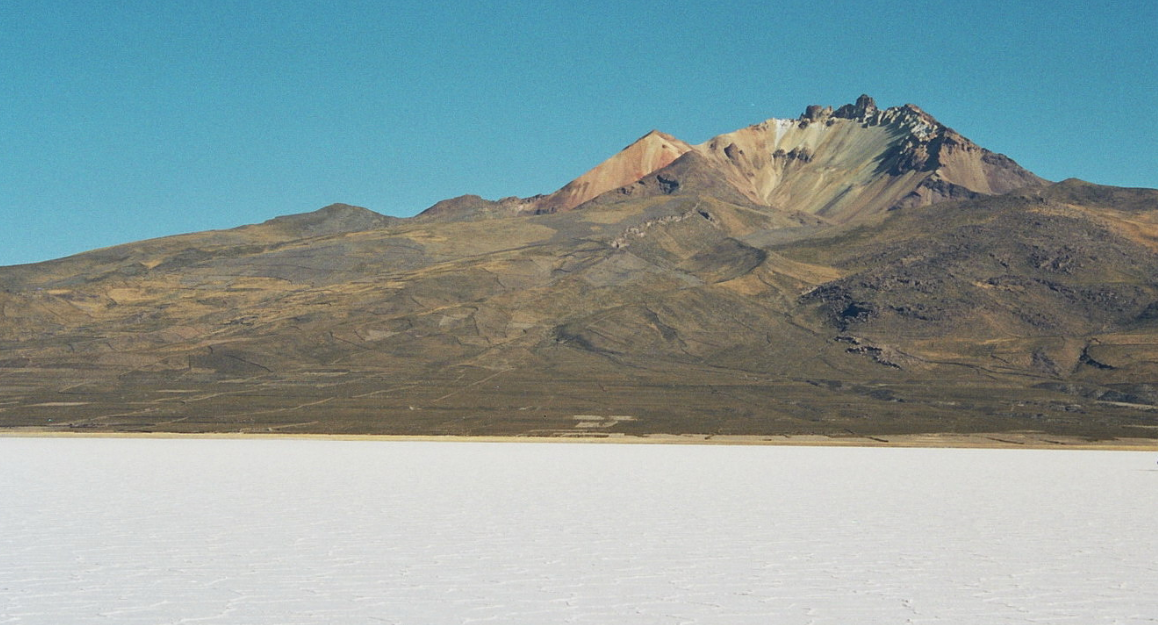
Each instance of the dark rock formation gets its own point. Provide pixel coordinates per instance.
(864, 108)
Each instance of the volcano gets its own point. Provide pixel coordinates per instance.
(853, 271)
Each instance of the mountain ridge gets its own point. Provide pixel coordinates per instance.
(874, 282)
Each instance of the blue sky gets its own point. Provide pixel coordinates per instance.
(127, 120)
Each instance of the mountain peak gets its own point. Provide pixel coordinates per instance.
(331, 219)
(653, 151)
(865, 107)
(857, 159)
(656, 135)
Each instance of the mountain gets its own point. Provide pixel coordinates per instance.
(651, 152)
(836, 166)
(853, 271)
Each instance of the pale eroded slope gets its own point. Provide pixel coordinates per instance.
(855, 161)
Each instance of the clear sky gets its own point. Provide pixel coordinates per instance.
(127, 120)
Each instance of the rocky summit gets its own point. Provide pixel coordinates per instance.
(854, 271)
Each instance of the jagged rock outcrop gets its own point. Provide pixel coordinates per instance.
(864, 108)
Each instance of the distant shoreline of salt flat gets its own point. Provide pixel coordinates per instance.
(980, 440)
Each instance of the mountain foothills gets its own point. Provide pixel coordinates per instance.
(850, 272)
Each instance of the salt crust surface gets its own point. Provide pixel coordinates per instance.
(303, 531)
